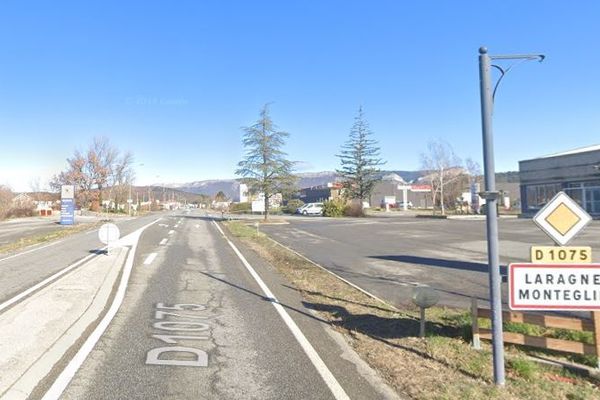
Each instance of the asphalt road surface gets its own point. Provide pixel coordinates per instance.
(14, 229)
(22, 270)
(389, 256)
(195, 324)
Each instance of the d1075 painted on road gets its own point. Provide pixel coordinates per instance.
(184, 356)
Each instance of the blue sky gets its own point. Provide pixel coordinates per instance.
(174, 81)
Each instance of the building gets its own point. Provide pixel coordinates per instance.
(576, 172)
(394, 190)
(243, 195)
(319, 194)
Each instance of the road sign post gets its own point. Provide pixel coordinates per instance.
(109, 233)
(558, 277)
(67, 205)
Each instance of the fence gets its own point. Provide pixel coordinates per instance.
(547, 321)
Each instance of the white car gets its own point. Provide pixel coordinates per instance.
(312, 209)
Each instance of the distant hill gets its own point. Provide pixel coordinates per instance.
(231, 186)
(508, 177)
(305, 180)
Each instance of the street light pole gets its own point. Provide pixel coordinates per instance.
(491, 196)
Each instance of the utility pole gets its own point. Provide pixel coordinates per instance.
(491, 197)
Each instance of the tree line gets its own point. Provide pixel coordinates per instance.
(266, 169)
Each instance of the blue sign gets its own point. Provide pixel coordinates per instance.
(67, 211)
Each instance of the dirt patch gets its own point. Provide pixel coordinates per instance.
(441, 366)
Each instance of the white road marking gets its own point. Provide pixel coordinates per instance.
(164, 241)
(61, 383)
(31, 251)
(43, 283)
(171, 232)
(150, 258)
(334, 386)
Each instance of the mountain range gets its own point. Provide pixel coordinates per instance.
(305, 180)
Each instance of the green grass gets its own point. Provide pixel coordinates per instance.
(524, 368)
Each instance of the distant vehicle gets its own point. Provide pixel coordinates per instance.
(312, 209)
(400, 204)
(302, 207)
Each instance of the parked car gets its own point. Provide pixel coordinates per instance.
(302, 207)
(312, 209)
(400, 205)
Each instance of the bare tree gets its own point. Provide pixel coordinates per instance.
(474, 170)
(443, 168)
(101, 166)
(6, 196)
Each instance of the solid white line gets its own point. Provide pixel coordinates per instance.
(150, 258)
(164, 241)
(43, 283)
(171, 232)
(334, 274)
(31, 251)
(69, 372)
(334, 386)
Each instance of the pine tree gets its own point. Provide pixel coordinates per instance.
(265, 168)
(360, 160)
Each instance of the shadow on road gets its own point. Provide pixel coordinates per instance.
(440, 262)
(386, 330)
(265, 298)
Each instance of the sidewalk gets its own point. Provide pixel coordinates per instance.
(37, 332)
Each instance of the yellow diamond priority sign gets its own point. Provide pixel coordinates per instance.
(562, 218)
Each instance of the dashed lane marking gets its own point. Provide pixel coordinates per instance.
(150, 258)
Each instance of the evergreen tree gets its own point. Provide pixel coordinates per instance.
(265, 168)
(360, 160)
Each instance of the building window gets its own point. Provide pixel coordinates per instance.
(539, 195)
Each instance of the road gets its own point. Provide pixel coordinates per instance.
(389, 256)
(32, 265)
(15, 229)
(201, 320)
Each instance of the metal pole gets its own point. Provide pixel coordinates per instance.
(492, 218)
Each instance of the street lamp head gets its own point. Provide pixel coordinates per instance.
(483, 50)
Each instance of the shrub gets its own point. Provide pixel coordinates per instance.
(333, 208)
(292, 205)
(354, 210)
(19, 212)
(240, 207)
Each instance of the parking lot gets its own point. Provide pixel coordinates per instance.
(389, 256)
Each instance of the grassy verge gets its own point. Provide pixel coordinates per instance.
(441, 366)
(58, 233)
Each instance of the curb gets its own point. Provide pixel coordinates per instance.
(38, 359)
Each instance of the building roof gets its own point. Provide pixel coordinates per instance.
(573, 151)
(393, 177)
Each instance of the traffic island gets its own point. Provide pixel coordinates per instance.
(441, 365)
(39, 331)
